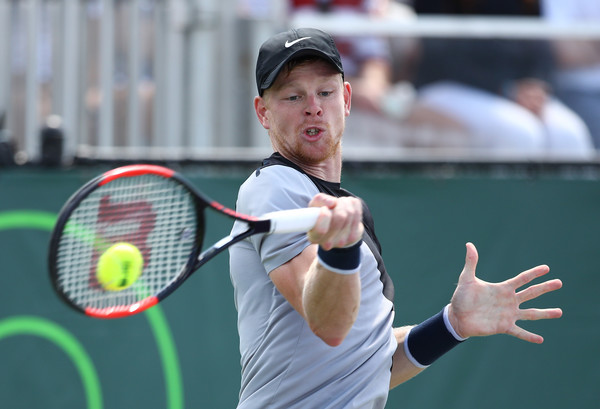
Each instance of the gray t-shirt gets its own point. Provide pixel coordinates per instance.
(284, 365)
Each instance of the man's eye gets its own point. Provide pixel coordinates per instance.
(293, 98)
(325, 93)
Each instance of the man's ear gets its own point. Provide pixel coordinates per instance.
(347, 97)
(261, 111)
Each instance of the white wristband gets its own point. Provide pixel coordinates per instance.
(449, 325)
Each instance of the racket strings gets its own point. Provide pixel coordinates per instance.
(156, 214)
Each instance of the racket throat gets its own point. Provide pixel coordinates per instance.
(219, 246)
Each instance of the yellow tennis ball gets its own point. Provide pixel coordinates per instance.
(119, 266)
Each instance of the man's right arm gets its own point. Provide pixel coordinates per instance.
(327, 300)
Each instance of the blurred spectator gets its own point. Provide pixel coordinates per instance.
(497, 89)
(377, 103)
(577, 80)
(121, 83)
(366, 59)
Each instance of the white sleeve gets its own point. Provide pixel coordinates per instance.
(271, 189)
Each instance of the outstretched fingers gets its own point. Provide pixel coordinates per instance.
(471, 259)
(527, 276)
(537, 290)
(525, 335)
(480, 308)
(534, 314)
(530, 293)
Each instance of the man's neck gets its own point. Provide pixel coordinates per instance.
(329, 170)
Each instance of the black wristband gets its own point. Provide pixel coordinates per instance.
(345, 260)
(430, 340)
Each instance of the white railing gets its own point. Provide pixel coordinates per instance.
(172, 79)
(134, 74)
(446, 26)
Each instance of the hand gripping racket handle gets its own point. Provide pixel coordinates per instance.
(291, 221)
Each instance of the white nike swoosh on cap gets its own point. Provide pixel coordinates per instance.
(288, 44)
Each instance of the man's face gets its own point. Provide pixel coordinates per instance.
(304, 112)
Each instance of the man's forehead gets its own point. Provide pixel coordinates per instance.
(295, 81)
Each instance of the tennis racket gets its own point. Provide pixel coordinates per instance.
(159, 212)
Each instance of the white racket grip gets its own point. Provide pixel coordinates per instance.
(293, 221)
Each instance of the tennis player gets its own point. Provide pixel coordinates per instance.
(315, 311)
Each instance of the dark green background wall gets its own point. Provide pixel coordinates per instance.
(183, 353)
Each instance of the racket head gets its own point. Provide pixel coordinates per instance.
(149, 206)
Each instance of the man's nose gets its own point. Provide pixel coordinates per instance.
(313, 106)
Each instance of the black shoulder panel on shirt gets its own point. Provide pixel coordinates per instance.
(335, 189)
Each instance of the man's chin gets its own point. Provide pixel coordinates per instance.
(318, 153)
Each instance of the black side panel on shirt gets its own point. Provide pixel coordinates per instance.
(335, 189)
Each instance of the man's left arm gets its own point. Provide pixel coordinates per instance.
(477, 308)
(402, 368)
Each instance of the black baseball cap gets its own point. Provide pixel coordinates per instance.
(282, 47)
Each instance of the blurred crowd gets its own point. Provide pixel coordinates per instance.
(503, 95)
(532, 97)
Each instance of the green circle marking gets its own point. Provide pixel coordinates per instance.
(26, 325)
(32, 219)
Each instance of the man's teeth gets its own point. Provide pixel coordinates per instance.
(312, 131)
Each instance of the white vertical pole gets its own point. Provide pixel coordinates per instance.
(107, 35)
(5, 68)
(204, 73)
(260, 30)
(52, 54)
(31, 84)
(174, 58)
(158, 122)
(70, 75)
(229, 105)
(84, 20)
(133, 122)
